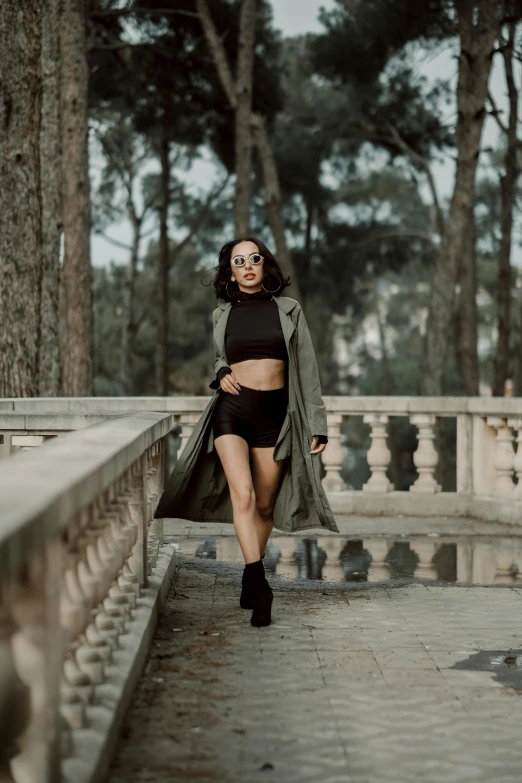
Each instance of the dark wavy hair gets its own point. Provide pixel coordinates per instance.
(272, 277)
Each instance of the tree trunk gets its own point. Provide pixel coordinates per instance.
(273, 202)
(51, 189)
(508, 187)
(76, 273)
(478, 25)
(20, 197)
(163, 268)
(129, 312)
(467, 348)
(243, 129)
(306, 271)
(264, 148)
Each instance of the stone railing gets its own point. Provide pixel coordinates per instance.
(83, 574)
(488, 450)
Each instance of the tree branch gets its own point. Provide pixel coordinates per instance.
(218, 51)
(423, 163)
(496, 113)
(143, 12)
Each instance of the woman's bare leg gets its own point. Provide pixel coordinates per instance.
(233, 451)
(266, 476)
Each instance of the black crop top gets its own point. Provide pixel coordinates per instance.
(254, 331)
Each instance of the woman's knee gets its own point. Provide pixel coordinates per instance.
(243, 499)
(265, 509)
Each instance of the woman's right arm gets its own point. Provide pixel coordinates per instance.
(221, 368)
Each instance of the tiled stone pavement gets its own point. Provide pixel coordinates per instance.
(350, 683)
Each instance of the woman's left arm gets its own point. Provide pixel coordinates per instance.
(309, 379)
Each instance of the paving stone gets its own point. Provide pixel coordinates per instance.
(356, 686)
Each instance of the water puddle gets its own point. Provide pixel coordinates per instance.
(507, 666)
(480, 560)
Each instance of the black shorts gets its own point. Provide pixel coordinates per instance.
(256, 415)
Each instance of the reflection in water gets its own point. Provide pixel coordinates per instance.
(507, 666)
(401, 560)
(465, 559)
(310, 558)
(356, 561)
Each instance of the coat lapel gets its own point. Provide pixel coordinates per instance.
(285, 305)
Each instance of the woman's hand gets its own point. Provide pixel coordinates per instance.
(316, 449)
(229, 383)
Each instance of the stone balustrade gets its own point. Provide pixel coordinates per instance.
(83, 574)
(488, 454)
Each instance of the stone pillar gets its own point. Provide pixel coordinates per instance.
(516, 424)
(37, 652)
(378, 549)
(464, 453)
(425, 458)
(333, 455)
(378, 454)
(187, 421)
(288, 565)
(333, 569)
(425, 551)
(504, 456)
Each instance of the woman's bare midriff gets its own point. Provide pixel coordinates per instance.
(260, 374)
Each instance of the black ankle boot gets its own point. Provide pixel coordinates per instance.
(263, 595)
(246, 600)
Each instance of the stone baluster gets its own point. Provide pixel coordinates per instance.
(37, 653)
(288, 565)
(333, 455)
(506, 569)
(504, 456)
(425, 550)
(378, 455)
(187, 423)
(333, 569)
(137, 509)
(378, 570)
(73, 609)
(425, 457)
(15, 706)
(516, 424)
(103, 621)
(117, 605)
(157, 488)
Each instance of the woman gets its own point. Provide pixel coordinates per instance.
(264, 422)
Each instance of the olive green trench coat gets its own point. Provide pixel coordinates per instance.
(197, 488)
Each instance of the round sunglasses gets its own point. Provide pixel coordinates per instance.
(255, 258)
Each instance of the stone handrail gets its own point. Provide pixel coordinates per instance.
(488, 467)
(79, 566)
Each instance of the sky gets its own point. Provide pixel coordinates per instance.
(294, 17)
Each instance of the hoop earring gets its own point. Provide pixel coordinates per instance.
(271, 292)
(226, 289)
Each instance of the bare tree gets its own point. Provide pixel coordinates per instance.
(508, 187)
(51, 194)
(478, 25)
(20, 197)
(162, 359)
(272, 191)
(243, 115)
(76, 273)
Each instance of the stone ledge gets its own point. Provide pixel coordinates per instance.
(392, 504)
(93, 747)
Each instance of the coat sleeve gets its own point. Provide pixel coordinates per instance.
(220, 362)
(309, 379)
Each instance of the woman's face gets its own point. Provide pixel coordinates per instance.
(250, 276)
